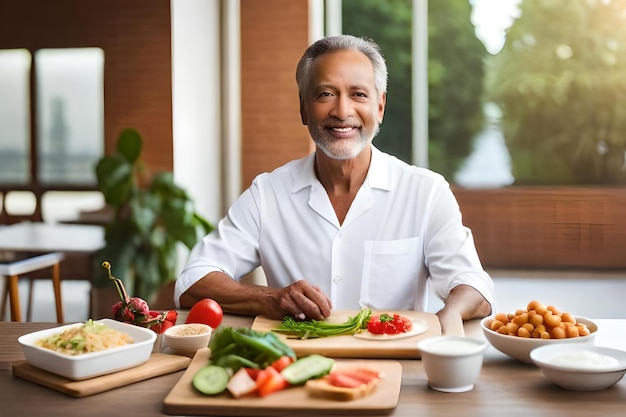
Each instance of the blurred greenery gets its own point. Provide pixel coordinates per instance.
(152, 216)
(560, 82)
(455, 73)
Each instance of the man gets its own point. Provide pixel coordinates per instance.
(347, 226)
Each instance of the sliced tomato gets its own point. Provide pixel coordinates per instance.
(270, 380)
(389, 324)
(282, 362)
(341, 380)
(375, 326)
(363, 375)
(403, 324)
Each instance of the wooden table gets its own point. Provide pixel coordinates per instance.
(78, 243)
(504, 388)
(39, 237)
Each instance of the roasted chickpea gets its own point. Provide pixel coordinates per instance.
(554, 310)
(551, 320)
(495, 325)
(583, 330)
(568, 318)
(521, 318)
(512, 327)
(571, 331)
(541, 309)
(538, 321)
(558, 333)
(501, 317)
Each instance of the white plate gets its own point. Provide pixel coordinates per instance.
(419, 327)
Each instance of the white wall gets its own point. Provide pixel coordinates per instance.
(196, 102)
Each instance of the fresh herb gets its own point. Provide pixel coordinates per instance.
(384, 318)
(310, 329)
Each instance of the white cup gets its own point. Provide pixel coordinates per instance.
(186, 339)
(452, 363)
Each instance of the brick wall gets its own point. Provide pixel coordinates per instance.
(274, 34)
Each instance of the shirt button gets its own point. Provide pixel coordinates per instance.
(340, 235)
(337, 279)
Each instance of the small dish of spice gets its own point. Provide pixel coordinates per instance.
(186, 339)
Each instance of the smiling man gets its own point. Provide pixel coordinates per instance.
(347, 226)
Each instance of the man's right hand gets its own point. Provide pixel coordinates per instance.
(302, 301)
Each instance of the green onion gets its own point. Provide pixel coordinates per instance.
(311, 329)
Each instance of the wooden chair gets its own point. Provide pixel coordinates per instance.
(12, 271)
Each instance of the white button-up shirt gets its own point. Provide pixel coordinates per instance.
(402, 233)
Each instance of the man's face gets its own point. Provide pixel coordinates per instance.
(342, 108)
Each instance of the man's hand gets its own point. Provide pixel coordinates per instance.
(451, 323)
(300, 300)
(463, 303)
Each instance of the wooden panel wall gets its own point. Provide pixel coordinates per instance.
(274, 34)
(547, 227)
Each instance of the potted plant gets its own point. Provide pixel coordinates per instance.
(152, 216)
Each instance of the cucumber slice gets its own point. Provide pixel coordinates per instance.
(211, 379)
(306, 368)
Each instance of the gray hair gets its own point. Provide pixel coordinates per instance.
(367, 47)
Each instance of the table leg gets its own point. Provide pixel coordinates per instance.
(14, 298)
(56, 284)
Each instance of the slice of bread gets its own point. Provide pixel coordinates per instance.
(321, 388)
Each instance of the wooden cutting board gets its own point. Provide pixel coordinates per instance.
(354, 347)
(183, 399)
(158, 364)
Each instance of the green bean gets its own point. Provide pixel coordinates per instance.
(311, 329)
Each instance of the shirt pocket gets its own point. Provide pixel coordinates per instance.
(391, 272)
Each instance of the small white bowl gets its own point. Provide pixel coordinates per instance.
(89, 365)
(580, 367)
(186, 339)
(452, 363)
(519, 347)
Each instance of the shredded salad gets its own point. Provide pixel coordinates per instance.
(87, 337)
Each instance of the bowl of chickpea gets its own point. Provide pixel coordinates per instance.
(517, 333)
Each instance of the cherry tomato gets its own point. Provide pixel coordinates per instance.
(206, 311)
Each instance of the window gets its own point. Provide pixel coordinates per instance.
(525, 93)
(70, 126)
(14, 116)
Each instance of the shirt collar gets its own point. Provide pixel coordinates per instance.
(377, 175)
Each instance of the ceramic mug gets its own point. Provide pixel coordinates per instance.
(186, 339)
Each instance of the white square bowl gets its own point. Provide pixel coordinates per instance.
(92, 364)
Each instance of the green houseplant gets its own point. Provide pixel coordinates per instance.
(151, 216)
